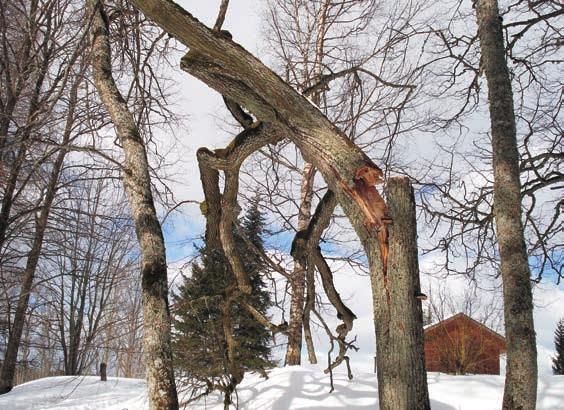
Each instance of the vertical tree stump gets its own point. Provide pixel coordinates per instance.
(397, 300)
(103, 375)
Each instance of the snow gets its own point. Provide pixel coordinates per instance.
(287, 388)
(76, 393)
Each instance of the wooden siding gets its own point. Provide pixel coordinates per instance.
(460, 345)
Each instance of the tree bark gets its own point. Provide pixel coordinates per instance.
(521, 374)
(308, 307)
(137, 182)
(297, 286)
(402, 380)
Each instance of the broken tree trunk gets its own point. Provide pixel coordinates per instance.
(521, 376)
(137, 182)
(229, 69)
(235, 73)
(402, 379)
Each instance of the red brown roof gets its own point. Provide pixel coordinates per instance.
(466, 317)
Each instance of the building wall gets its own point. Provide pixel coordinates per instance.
(461, 346)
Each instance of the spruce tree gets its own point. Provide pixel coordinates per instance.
(253, 338)
(558, 360)
(198, 340)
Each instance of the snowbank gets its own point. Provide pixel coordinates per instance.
(288, 388)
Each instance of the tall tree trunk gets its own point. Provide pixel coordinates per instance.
(300, 308)
(137, 182)
(402, 380)
(521, 375)
(297, 282)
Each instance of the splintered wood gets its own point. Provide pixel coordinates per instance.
(375, 210)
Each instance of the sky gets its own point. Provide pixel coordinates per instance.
(204, 126)
(205, 114)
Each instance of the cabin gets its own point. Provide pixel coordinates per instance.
(461, 345)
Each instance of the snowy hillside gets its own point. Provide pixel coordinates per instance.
(295, 388)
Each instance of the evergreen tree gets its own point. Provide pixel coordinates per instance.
(198, 340)
(558, 360)
(253, 338)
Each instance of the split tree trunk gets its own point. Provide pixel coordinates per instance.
(400, 360)
(137, 182)
(228, 68)
(521, 374)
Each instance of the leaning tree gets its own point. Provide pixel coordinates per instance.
(282, 112)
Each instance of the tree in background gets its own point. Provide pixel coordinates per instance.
(199, 342)
(52, 133)
(558, 360)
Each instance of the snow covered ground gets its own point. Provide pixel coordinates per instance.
(287, 388)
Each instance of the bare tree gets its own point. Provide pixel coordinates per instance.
(137, 183)
(353, 84)
(47, 110)
(475, 215)
(93, 248)
(48, 196)
(457, 193)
